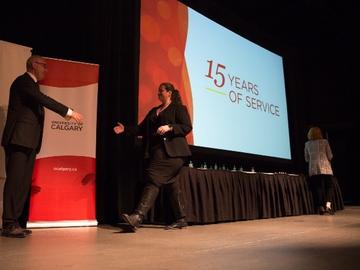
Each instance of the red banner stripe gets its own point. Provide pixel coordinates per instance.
(66, 73)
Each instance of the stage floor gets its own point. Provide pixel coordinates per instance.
(298, 242)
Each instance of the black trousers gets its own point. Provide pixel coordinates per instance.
(322, 189)
(19, 168)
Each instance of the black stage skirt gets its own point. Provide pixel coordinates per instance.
(161, 168)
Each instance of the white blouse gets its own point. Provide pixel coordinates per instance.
(318, 154)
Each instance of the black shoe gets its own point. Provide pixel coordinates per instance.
(329, 211)
(179, 224)
(27, 232)
(322, 210)
(13, 231)
(134, 220)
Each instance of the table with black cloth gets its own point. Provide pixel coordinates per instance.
(212, 196)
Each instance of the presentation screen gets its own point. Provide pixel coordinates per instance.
(233, 88)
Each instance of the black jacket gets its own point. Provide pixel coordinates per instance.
(25, 118)
(176, 116)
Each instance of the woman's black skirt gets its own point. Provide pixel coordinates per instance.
(161, 168)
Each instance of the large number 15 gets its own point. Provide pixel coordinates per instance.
(218, 82)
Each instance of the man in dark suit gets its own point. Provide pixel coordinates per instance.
(21, 140)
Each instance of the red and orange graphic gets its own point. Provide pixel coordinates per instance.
(163, 36)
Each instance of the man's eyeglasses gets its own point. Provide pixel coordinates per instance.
(42, 64)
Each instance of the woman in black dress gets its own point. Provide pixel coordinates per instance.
(164, 129)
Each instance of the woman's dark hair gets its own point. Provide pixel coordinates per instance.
(175, 95)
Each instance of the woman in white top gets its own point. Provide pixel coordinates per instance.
(318, 154)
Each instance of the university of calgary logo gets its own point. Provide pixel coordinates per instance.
(66, 126)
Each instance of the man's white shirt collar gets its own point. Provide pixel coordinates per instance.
(32, 76)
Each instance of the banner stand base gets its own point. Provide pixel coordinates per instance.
(61, 223)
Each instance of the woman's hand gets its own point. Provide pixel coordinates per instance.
(119, 128)
(163, 129)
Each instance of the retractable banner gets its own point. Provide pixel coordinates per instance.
(63, 186)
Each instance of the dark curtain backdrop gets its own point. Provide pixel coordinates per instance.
(117, 156)
(107, 32)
